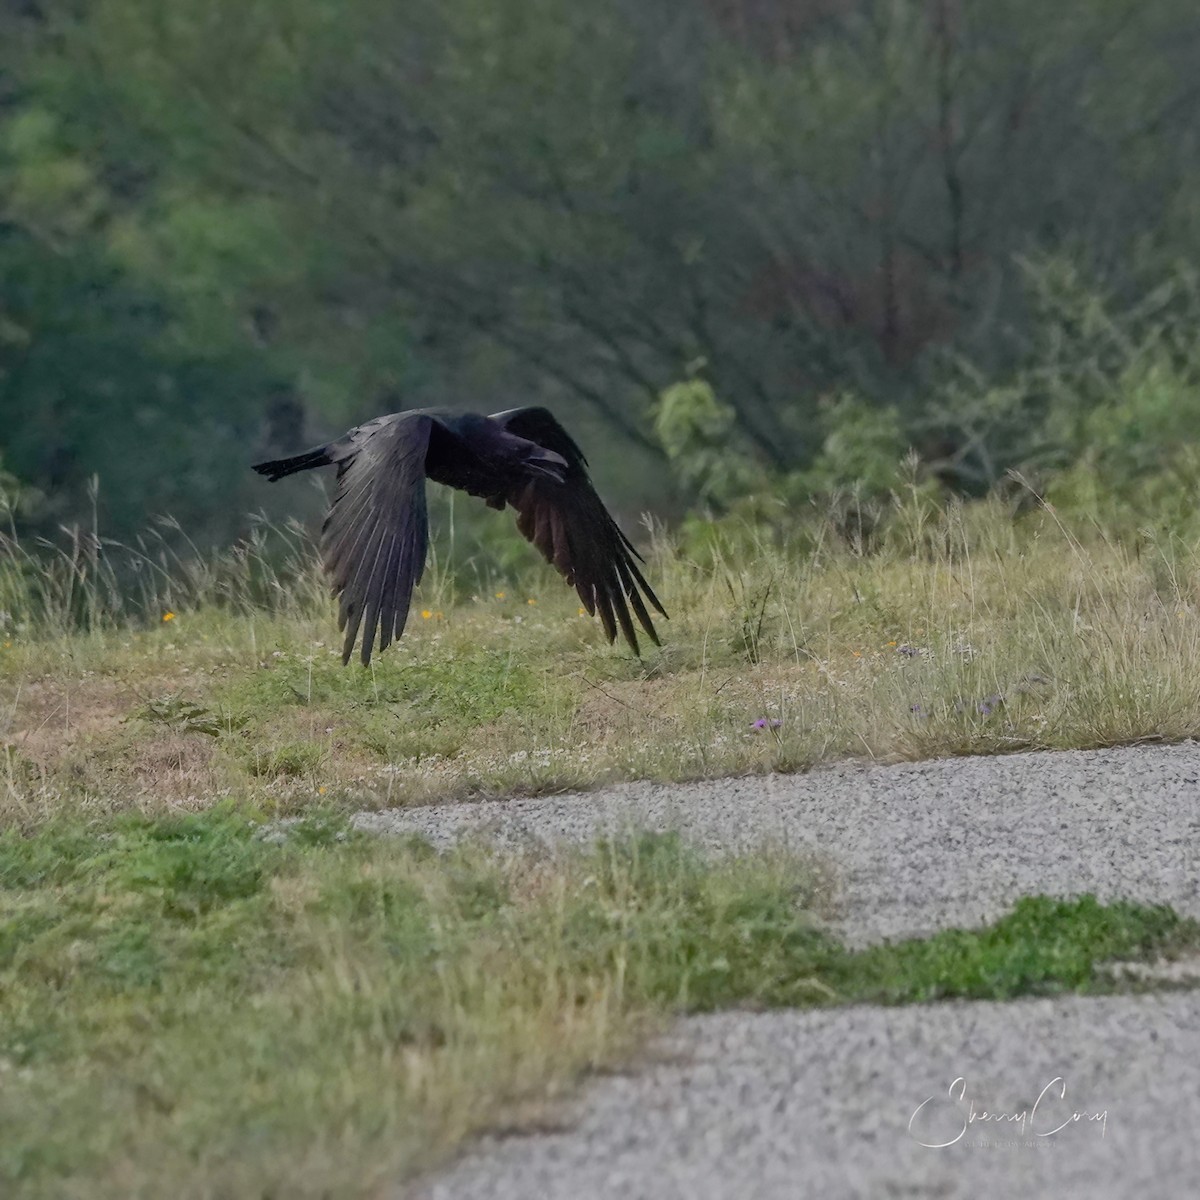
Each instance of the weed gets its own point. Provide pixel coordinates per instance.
(181, 715)
(291, 760)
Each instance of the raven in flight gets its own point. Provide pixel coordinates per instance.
(374, 539)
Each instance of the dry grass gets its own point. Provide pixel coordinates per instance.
(966, 634)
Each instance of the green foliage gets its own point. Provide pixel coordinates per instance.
(235, 229)
(1042, 947)
(863, 449)
(1100, 416)
(699, 435)
(1138, 454)
(195, 864)
(860, 467)
(291, 760)
(182, 715)
(723, 938)
(54, 858)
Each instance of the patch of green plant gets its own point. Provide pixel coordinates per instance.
(395, 736)
(51, 857)
(1044, 946)
(476, 683)
(196, 863)
(728, 937)
(182, 715)
(292, 759)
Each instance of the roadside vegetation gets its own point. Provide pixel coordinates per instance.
(201, 1006)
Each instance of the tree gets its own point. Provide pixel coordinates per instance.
(365, 205)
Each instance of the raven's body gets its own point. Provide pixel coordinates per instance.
(376, 534)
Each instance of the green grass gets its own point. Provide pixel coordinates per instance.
(189, 1008)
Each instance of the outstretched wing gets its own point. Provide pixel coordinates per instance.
(377, 532)
(568, 523)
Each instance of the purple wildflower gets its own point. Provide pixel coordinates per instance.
(908, 651)
(767, 723)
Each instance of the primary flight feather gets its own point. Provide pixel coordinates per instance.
(375, 537)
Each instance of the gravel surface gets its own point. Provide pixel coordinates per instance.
(914, 847)
(785, 1106)
(797, 1104)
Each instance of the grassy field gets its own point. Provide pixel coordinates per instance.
(968, 634)
(195, 1003)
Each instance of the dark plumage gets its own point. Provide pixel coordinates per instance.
(374, 539)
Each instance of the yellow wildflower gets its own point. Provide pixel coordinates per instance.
(531, 600)
(425, 614)
(499, 595)
(168, 616)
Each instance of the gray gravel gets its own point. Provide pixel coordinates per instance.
(914, 847)
(797, 1104)
(782, 1106)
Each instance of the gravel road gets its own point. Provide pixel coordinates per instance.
(796, 1104)
(785, 1106)
(914, 847)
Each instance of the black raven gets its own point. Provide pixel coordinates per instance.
(374, 539)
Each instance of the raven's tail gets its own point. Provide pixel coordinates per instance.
(277, 468)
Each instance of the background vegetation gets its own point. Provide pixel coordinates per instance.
(817, 232)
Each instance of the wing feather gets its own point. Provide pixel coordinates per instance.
(567, 521)
(376, 536)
